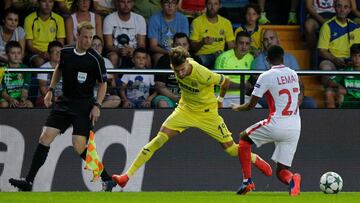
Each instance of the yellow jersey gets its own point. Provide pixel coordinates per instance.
(338, 37)
(221, 31)
(197, 89)
(43, 32)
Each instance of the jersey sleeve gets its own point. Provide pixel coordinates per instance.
(61, 28)
(28, 28)
(108, 27)
(261, 86)
(324, 37)
(229, 33)
(195, 31)
(101, 71)
(208, 77)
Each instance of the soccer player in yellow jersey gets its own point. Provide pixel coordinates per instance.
(198, 107)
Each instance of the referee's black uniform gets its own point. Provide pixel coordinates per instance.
(80, 71)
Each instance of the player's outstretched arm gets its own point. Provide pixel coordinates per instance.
(247, 106)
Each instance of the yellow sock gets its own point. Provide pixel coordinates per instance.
(253, 157)
(146, 153)
(233, 150)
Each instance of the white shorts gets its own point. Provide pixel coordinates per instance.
(285, 139)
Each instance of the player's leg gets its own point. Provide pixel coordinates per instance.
(245, 161)
(288, 178)
(177, 122)
(145, 154)
(285, 148)
(55, 124)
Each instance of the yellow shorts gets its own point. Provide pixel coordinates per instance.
(210, 122)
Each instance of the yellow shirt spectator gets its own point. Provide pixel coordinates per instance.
(255, 35)
(42, 32)
(221, 31)
(338, 38)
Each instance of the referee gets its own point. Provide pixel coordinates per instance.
(80, 68)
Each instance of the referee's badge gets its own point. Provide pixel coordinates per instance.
(81, 77)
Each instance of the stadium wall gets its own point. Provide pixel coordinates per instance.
(192, 161)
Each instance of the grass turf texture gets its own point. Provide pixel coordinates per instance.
(174, 197)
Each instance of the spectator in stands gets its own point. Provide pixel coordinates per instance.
(82, 12)
(147, 8)
(355, 9)
(238, 58)
(163, 26)
(165, 84)
(251, 26)
(41, 28)
(22, 7)
(104, 7)
(192, 9)
(63, 7)
(319, 13)
(292, 19)
(44, 79)
(260, 63)
(209, 33)
(135, 90)
(124, 31)
(111, 100)
(14, 87)
(10, 31)
(335, 38)
(350, 84)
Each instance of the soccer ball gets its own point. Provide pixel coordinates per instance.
(331, 183)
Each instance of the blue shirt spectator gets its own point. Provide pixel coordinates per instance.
(164, 31)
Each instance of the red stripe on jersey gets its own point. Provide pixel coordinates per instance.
(265, 122)
(295, 90)
(271, 103)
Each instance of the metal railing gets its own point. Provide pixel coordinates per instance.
(242, 73)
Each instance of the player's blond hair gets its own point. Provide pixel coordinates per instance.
(84, 25)
(178, 56)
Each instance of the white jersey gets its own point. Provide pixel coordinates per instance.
(280, 85)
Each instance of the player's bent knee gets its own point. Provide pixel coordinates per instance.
(157, 142)
(232, 150)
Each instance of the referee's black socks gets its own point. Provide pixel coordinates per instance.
(39, 159)
(104, 175)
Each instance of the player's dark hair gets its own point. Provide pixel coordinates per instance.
(178, 56)
(355, 49)
(139, 50)
(242, 34)
(275, 55)
(12, 44)
(54, 44)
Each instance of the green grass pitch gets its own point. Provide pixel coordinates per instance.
(174, 197)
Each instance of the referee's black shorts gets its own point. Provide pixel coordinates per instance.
(71, 112)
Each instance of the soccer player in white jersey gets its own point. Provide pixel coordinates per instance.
(283, 91)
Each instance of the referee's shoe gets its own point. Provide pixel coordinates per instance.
(22, 184)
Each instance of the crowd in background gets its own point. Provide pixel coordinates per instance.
(139, 34)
